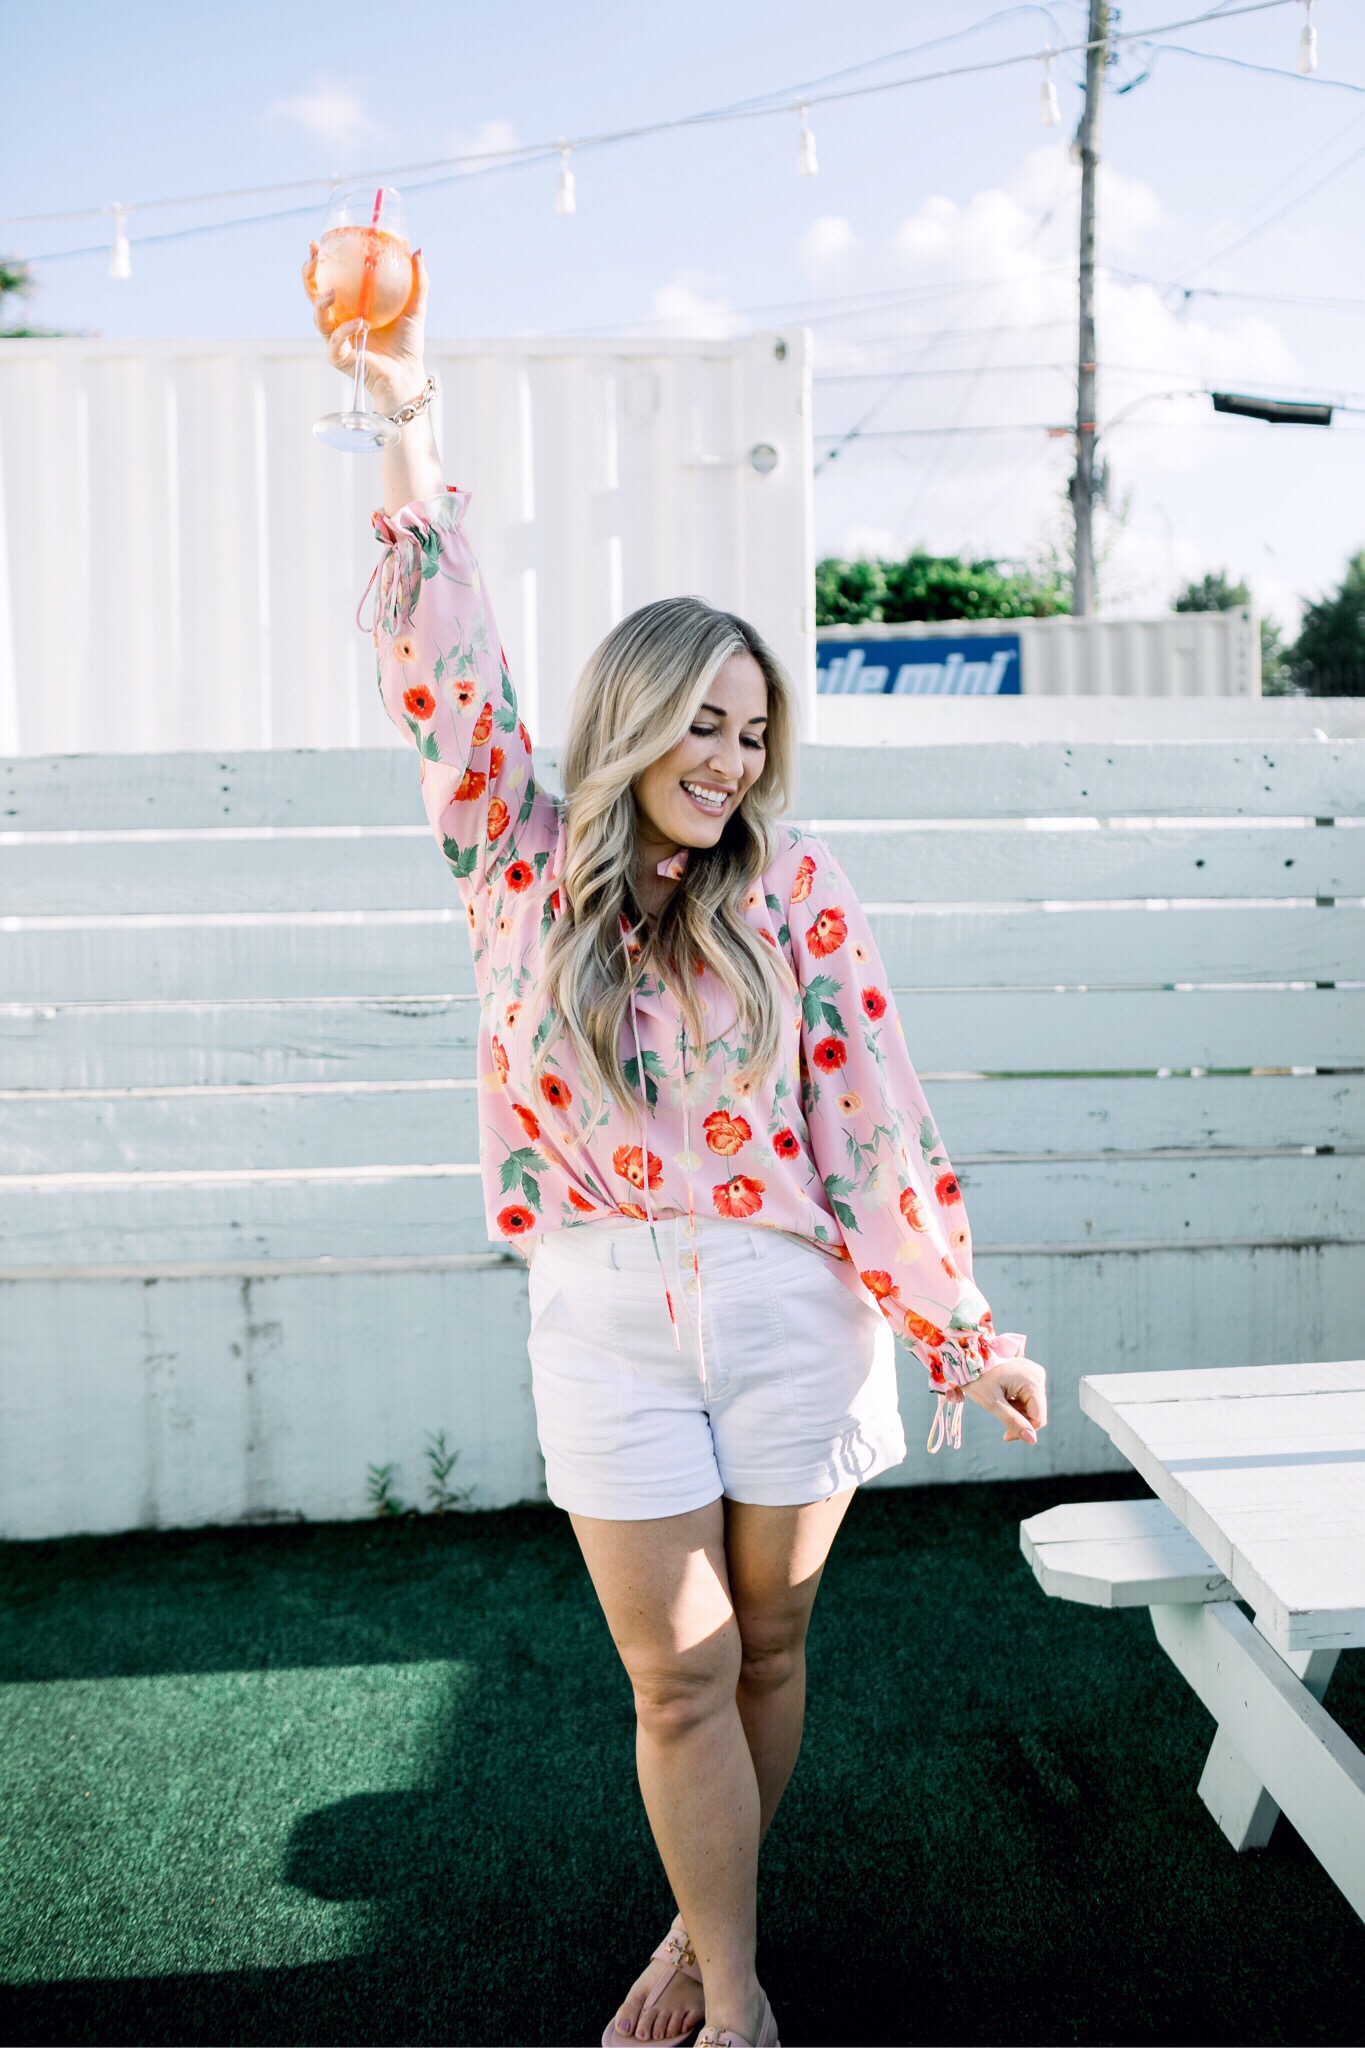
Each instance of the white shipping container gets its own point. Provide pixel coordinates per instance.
(1179, 654)
(180, 560)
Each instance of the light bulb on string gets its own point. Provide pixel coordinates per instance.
(807, 163)
(1308, 43)
(1050, 106)
(564, 192)
(120, 253)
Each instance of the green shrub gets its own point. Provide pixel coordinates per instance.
(930, 587)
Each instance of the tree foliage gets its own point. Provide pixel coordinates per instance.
(930, 587)
(18, 282)
(1215, 592)
(1328, 658)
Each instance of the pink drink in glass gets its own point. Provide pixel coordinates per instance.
(369, 269)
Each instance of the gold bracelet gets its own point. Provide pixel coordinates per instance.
(414, 405)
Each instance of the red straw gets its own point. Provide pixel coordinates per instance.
(365, 298)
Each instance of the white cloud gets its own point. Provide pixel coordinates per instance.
(985, 323)
(332, 112)
(1132, 209)
(489, 138)
(825, 241)
(863, 542)
(691, 304)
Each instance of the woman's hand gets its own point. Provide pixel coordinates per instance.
(395, 369)
(1016, 1393)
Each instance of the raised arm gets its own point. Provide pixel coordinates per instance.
(443, 677)
(395, 371)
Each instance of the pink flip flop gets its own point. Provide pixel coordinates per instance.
(677, 1949)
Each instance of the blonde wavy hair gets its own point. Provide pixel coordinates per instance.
(634, 701)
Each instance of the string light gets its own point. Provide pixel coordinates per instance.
(447, 168)
(807, 164)
(1051, 107)
(120, 254)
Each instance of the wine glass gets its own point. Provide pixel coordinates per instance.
(364, 258)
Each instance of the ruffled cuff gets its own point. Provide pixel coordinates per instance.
(411, 540)
(421, 515)
(958, 1361)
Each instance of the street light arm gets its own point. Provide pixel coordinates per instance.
(1149, 398)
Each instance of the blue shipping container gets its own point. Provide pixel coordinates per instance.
(967, 666)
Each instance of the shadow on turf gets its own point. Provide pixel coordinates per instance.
(993, 1835)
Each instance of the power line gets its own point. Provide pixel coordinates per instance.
(1052, 428)
(1289, 206)
(1333, 392)
(832, 454)
(935, 462)
(453, 167)
(1209, 291)
(870, 341)
(840, 305)
(516, 154)
(859, 426)
(1056, 431)
(808, 85)
(955, 370)
(1282, 183)
(1301, 390)
(841, 308)
(1238, 64)
(1227, 421)
(917, 433)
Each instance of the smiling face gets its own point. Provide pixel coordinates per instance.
(685, 797)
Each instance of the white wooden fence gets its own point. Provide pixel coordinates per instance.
(913, 720)
(242, 1249)
(180, 560)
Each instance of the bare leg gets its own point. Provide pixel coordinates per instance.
(719, 1707)
(776, 1559)
(665, 1592)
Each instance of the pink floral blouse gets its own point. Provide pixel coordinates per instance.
(838, 1147)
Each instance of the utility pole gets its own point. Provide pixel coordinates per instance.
(1083, 483)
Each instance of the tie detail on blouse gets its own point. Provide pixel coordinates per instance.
(675, 866)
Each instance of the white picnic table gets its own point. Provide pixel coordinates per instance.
(1259, 1474)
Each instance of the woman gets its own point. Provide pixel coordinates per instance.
(691, 1072)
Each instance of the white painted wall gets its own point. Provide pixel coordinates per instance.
(242, 1249)
(180, 561)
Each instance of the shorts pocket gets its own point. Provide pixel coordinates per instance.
(840, 1350)
(578, 1380)
(800, 1266)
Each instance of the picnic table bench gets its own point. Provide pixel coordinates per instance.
(1259, 1477)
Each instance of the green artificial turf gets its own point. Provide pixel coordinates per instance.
(375, 1783)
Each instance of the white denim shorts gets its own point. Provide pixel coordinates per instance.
(798, 1397)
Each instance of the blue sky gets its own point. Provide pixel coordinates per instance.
(951, 194)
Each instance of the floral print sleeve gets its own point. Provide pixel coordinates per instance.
(887, 1178)
(445, 684)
